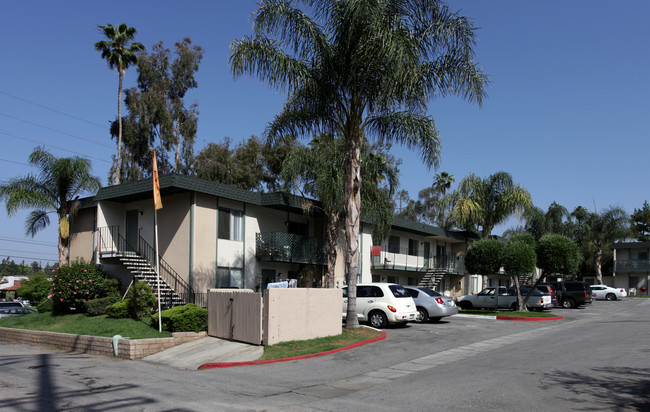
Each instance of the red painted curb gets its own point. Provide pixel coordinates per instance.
(525, 318)
(213, 365)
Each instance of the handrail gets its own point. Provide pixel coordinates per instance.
(112, 240)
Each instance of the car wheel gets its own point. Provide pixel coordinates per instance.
(514, 306)
(610, 296)
(463, 304)
(435, 319)
(378, 320)
(568, 303)
(422, 316)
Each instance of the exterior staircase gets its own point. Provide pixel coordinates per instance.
(432, 278)
(142, 271)
(140, 262)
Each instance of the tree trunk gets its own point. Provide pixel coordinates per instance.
(352, 214)
(520, 302)
(118, 166)
(331, 235)
(63, 247)
(598, 262)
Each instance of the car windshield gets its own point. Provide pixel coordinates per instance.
(399, 291)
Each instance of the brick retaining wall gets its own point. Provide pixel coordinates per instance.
(127, 348)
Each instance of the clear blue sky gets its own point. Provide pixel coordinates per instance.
(568, 113)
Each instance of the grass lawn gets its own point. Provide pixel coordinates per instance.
(507, 313)
(81, 324)
(306, 347)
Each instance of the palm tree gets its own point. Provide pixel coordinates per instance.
(603, 229)
(55, 190)
(318, 171)
(489, 202)
(361, 69)
(120, 52)
(442, 182)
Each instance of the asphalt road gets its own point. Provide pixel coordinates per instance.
(597, 358)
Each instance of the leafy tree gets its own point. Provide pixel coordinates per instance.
(36, 289)
(605, 228)
(640, 223)
(251, 165)
(55, 190)
(519, 259)
(556, 254)
(120, 52)
(490, 201)
(158, 116)
(484, 257)
(359, 69)
(318, 171)
(10, 268)
(442, 182)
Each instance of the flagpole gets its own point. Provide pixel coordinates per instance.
(157, 204)
(155, 225)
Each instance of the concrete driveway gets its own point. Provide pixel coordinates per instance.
(191, 355)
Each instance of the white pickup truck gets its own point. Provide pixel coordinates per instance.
(506, 298)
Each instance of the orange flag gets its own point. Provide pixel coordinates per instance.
(157, 202)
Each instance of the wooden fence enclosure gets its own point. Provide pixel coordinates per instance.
(281, 315)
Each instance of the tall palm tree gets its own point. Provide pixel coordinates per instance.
(318, 171)
(361, 69)
(442, 182)
(603, 229)
(120, 52)
(55, 190)
(490, 201)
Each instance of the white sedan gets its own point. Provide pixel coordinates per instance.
(607, 292)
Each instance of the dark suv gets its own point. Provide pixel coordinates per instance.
(572, 293)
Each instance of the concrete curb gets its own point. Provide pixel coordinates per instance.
(523, 318)
(214, 365)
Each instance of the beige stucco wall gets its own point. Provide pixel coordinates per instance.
(174, 233)
(300, 314)
(204, 266)
(81, 235)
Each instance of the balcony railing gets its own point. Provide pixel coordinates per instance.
(631, 266)
(286, 247)
(410, 262)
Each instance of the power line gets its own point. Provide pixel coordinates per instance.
(32, 258)
(33, 242)
(50, 145)
(54, 110)
(87, 139)
(3, 252)
(11, 161)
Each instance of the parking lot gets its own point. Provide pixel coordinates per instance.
(593, 359)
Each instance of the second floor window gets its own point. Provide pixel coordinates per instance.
(413, 247)
(231, 225)
(393, 244)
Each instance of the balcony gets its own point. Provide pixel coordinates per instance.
(631, 266)
(286, 247)
(404, 261)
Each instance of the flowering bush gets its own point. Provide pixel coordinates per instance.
(74, 284)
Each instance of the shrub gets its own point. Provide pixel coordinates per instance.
(73, 285)
(45, 306)
(141, 300)
(118, 310)
(97, 307)
(35, 289)
(185, 318)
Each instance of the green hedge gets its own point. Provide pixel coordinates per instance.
(97, 307)
(46, 306)
(186, 318)
(118, 310)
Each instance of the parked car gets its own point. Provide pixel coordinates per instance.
(431, 305)
(572, 293)
(11, 304)
(546, 288)
(382, 303)
(506, 298)
(8, 312)
(607, 292)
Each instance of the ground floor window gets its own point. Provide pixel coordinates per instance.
(230, 278)
(411, 281)
(392, 279)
